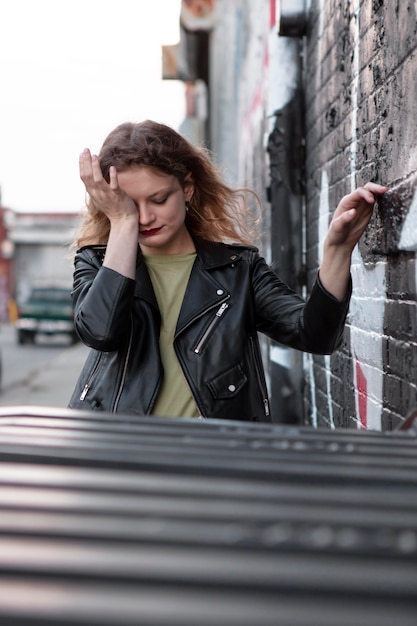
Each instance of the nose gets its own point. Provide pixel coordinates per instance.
(146, 215)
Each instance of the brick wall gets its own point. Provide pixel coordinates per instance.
(361, 107)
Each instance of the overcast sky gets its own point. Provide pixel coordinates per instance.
(69, 73)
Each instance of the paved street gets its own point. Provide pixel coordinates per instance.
(43, 375)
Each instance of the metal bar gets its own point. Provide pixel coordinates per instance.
(136, 520)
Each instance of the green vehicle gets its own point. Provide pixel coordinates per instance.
(47, 311)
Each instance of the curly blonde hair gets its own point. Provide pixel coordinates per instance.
(216, 212)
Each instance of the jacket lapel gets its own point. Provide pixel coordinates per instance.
(143, 287)
(204, 292)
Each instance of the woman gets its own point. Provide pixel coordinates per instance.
(169, 293)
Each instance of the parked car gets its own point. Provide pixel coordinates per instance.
(47, 311)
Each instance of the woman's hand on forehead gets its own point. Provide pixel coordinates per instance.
(107, 197)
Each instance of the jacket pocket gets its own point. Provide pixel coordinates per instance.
(228, 384)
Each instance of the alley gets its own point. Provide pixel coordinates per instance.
(42, 374)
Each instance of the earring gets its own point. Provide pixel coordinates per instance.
(187, 206)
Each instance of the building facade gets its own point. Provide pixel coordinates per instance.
(306, 101)
(34, 246)
(6, 266)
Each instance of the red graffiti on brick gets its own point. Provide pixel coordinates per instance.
(272, 14)
(362, 391)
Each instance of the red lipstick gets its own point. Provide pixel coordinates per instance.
(150, 232)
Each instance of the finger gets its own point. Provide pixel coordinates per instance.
(368, 194)
(376, 188)
(114, 183)
(344, 218)
(96, 169)
(85, 163)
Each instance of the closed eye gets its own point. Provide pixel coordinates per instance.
(160, 201)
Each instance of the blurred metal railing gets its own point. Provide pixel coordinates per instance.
(126, 520)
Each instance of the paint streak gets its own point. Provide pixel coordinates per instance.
(362, 391)
(272, 14)
(324, 220)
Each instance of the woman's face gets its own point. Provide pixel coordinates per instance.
(160, 201)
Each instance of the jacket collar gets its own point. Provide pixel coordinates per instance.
(213, 254)
(209, 256)
(203, 291)
(207, 291)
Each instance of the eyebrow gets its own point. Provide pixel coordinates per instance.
(169, 187)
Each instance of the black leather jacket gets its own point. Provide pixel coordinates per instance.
(231, 295)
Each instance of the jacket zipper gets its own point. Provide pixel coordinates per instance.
(127, 357)
(87, 386)
(258, 375)
(210, 327)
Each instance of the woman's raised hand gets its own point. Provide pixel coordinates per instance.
(108, 198)
(352, 216)
(348, 224)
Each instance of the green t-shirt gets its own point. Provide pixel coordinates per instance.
(169, 275)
